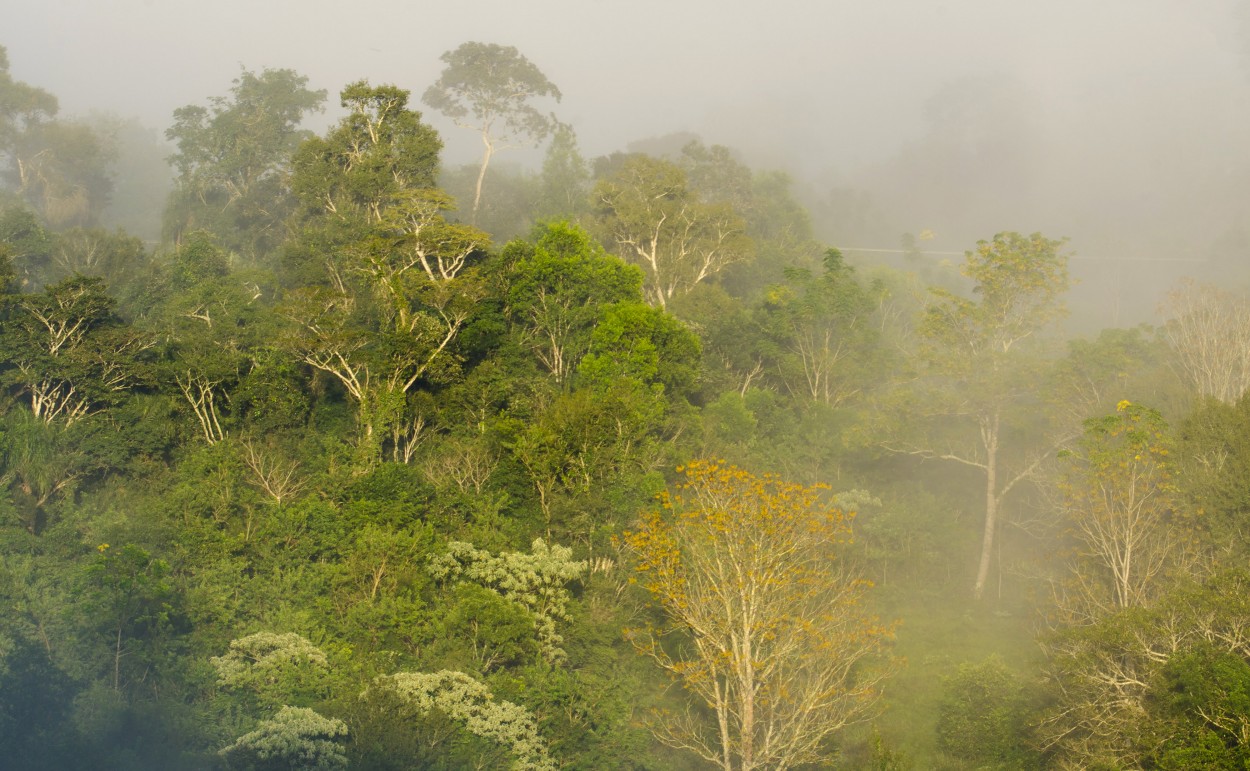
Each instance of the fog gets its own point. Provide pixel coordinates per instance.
(1118, 123)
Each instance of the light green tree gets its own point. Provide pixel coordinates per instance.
(271, 668)
(648, 213)
(557, 292)
(1122, 507)
(979, 357)
(59, 167)
(491, 89)
(537, 581)
(470, 702)
(296, 737)
(565, 180)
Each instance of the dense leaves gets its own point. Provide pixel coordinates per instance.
(329, 478)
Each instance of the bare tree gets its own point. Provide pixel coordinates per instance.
(1209, 330)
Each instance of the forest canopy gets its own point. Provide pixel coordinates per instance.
(366, 460)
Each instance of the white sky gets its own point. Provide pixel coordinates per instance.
(834, 80)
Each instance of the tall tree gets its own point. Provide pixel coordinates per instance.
(62, 169)
(233, 160)
(980, 365)
(388, 284)
(59, 167)
(490, 89)
(345, 179)
(776, 645)
(823, 331)
(67, 352)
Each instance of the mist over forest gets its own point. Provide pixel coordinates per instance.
(671, 386)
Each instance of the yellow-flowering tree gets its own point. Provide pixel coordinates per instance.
(771, 635)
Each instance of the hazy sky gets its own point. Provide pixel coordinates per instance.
(841, 79)
(1120, 123)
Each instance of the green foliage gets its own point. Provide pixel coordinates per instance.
(1204, 697)
(824, 345)
(359, 449)
(499, 631)
(1018, 282)
(559, 290)
(132, 602)
(35, 702)
(29, 248)
(1167, 682)
(565, 181)
(644, 345)
(67, 353)
(984, 716)
(491, 82)
(1213, 469)
(1121, 502)
(59, 167)
(378, 150)
(647, 211)
(233, 160)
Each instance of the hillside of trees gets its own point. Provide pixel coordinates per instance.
(330, 456)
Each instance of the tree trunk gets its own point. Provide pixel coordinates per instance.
(481, 175)
(989, 435)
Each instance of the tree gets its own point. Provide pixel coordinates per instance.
(823, 331)
(27, 248)
(132, 600)
(558, 290)
(984, 715)
(648, 213)
(489, 89)
(1213, 471)
(22, 106)
(69, 354)
(62, 170)
(345, 179)
(233, 160)
(1209, 331)
(774, 641)
(535, 581)
(1121, 504)
(269, 670)
(1147, 687)
(212, 326)
(390, 283)
(979, 367)
(59, 167)
(565, 181)
(296, 737)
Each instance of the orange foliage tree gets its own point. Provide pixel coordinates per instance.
(765, 625)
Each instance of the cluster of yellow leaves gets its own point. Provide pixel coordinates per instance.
(768, 526)
(746, 569)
